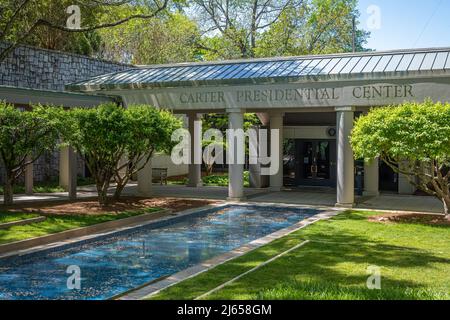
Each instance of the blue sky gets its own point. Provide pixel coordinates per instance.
(407, 24)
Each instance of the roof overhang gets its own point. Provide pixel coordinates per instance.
(356, 79)
(26, 96)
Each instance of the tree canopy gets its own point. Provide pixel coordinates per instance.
(168, 39)
(166, 31)
(24, 137)
(413, 139)
(261, 28)
(116, 143)
(44, 22)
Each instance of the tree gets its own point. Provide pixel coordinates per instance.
(86, 43)
(24, 137)
(220, 122)
(238, 21)
(150, 130)
(25, 21)
(414, 140)
(265, 28)
(116, 143)
(168, 39)
(316, 27)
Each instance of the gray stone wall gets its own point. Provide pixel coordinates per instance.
(30, 67)
(35, 68)
(46, 168)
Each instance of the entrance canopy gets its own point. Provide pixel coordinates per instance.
(356, 79)
(297, 96)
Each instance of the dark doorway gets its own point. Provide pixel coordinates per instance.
(316, 163)
(388, 178)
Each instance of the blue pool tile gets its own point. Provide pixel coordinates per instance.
(113, 264)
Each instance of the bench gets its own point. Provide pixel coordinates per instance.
(160, 174)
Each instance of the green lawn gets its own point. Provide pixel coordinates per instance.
(414, 261)
(8, 217)
(59, 223)
(48, 186)
(222, 180)
(214, 180)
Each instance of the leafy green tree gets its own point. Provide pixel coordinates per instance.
(220, 122)
(315, 27)
(116, 143)
(168, 39)
(260, 28)
(414, 140)
(44, 22)
(149, 131)
(237, 22)
(24, 137)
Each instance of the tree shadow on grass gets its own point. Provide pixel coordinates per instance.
(334, 266)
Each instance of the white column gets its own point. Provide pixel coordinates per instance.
(144, 178)
(68, 171)
(122, 162)
(29, 178)
(276, 122)
(371, 178)
(195, 170)
(345, 161)
(235, 171)
(404, 186)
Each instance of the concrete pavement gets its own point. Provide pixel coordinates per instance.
(307, 196)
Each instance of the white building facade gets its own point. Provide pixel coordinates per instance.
(312, 100)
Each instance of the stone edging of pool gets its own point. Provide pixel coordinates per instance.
(155, 287)
(62, 238)
(21, 222)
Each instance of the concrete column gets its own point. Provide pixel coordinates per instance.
(195, 170)
(345, 160)
(371, 178)
(235, 171)
(122, 162)
(29, 178)
(68, 171)
(276, 122)
(144, 178)
(404, 186)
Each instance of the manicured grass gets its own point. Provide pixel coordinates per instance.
(215, 180)
(59, 223)
(11, 217)
(414, 261)
(48, 186)
(180, 182)
(222, 180)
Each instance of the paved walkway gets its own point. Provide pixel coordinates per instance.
(308, 196)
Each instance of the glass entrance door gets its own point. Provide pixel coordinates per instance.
(317, 163)
(316, 160)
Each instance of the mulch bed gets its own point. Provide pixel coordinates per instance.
(92, 207)
(426, 219)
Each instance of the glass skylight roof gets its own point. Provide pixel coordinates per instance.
(294, 67)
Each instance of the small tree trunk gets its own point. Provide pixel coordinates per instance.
(209, 169)
(8, 195)
(102, 190)
(103, 198)
(119, 189)
(446, 202)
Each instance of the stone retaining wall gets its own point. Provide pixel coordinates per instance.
(30, 67)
